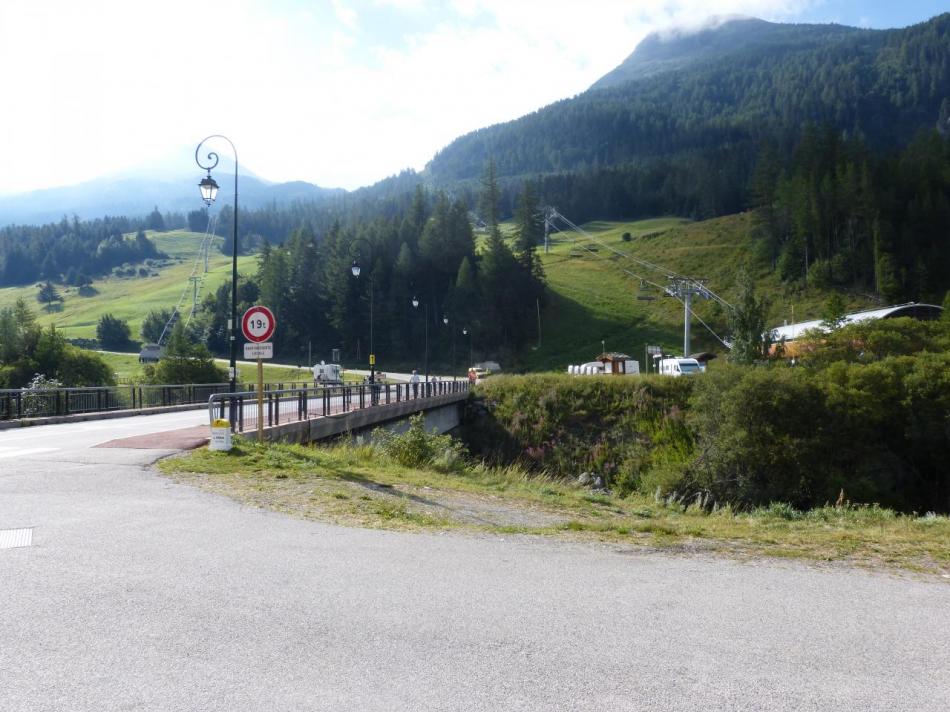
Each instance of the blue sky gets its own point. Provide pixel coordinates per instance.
(335, 92)
(877, 14)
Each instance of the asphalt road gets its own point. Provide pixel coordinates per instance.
(140, 594)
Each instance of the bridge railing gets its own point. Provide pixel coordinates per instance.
(289, 405)
(41, 403)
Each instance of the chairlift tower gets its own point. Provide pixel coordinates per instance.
(685, 289)
(550, 215)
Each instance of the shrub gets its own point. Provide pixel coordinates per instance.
(878, 431)
(184, 362)
(417, 448)
(113, 333)
(617, 427)
(35, 400)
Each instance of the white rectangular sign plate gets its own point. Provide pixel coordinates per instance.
(254, 351)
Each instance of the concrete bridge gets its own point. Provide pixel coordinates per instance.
(303, 415)
(299, 414)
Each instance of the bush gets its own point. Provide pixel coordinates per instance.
(184, 362)
(35, 402)
(877, 431)
(113, 333)
(620, 428)
(417, 448)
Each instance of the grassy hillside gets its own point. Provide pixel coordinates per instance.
(131, 298)
(127, 369)
(590, 299)
(593, 299)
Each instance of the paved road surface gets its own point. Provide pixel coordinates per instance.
(140, 594)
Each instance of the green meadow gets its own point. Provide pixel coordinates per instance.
(593, 296)
(131, 298)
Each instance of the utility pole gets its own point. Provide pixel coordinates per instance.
(684, 290)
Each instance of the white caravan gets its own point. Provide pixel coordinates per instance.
(327, 373)
(679, 367)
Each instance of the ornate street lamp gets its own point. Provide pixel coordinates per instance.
(209, 191)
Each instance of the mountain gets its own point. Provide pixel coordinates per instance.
(715, 95)
(662, 52)
(136, 195)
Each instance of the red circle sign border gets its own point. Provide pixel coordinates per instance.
(251, 312)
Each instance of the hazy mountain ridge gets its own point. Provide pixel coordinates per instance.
(137, 196)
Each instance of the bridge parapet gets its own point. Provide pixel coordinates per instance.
(308, 414)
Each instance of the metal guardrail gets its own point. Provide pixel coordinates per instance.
(42, 403)
(290, 405)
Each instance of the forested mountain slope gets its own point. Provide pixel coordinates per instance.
(726, 89)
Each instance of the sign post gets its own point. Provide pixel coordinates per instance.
(258, 325)
(651, 351)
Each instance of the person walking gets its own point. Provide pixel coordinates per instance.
(414, 380)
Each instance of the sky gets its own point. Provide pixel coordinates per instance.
(341, 93)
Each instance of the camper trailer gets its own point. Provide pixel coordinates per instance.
(327, 374)
(679, 367)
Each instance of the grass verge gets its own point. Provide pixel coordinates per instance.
(357, 485)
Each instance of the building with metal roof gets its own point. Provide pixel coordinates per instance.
(924, 312)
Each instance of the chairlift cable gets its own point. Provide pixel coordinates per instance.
(664, 290)
(206, 242)
(670, 274)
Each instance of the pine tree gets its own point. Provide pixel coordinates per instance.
(48, 295)
(750, 339)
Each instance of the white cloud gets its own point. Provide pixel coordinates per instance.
(304, 89)
(345, 14)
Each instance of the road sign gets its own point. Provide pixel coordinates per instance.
(654, 350)
(253, 351)
(258, 324)
(372, 359)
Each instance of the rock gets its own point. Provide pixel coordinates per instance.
(585, 479)
(598, 482)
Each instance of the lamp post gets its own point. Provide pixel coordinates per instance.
(445, 320)
(209, 191)
(425, 360)
(356, 270)
(468, 332)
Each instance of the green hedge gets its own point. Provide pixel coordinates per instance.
(620, 427)
(745, 436)
(879, 431)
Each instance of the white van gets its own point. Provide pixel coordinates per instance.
(679, 367)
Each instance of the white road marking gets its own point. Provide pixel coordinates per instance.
(13, 538)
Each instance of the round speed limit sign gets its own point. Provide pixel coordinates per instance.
(258, 324)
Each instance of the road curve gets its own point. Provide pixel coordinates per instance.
(139, 593)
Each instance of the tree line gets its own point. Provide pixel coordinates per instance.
(475, 293)
(73, 251)
(837, 215)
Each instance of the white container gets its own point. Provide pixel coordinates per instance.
(220, 435)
